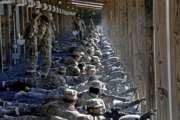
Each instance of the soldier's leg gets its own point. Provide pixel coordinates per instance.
(31, 54)
(46, 55)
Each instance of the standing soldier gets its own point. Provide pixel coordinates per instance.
(79, 26)
(45, 44)
(31, 44)
(39, 39)
(52, 28)
(91, 25)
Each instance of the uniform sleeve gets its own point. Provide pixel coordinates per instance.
(42, 30)
(85, 117)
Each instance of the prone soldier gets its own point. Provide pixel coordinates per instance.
(95, 88)
(65, 107)
(95, 107)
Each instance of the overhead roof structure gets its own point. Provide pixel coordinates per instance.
(90, 4)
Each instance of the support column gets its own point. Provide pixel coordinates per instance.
(175, 57)
(1, 52)
(161, 60)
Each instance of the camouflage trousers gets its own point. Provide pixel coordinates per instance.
(34, 49)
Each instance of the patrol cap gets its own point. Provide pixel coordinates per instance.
(97, 84)
(91, 67)
(82, 53)
(70, 94)
(95, 59)
(70, 61)
(90, 51)
(76, 53)
(76, 71)
(62, 70)
(86, 58)
(96, 40)
(98, 53)
(95, 103)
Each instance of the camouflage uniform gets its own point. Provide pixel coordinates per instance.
(85, 96)
(79, 26)
(53, 81)
(82, 28)
(31, 44)
(98, 105)
(65, 109)
(91, 70)
(52, 28)
(39, 39)
(91, 26)
(45, 46)
(73, 70)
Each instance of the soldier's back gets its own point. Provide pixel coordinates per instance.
(59, 108)
(84, 97)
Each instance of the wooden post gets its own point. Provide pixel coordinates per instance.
(150, 85)
(160, 60)
(1, 52)
(10, 37)
(175, 56)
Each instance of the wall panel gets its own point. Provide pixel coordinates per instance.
(126, 25)
(175, 57)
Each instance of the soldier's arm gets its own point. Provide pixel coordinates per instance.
(42, 30)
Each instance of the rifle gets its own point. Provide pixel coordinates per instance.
(113, 97)
(147, 115)
(127, 105)
(128, 91)
(114, 114)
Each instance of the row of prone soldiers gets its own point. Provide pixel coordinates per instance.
(85, 67)
(73, 106)
(81, 69)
